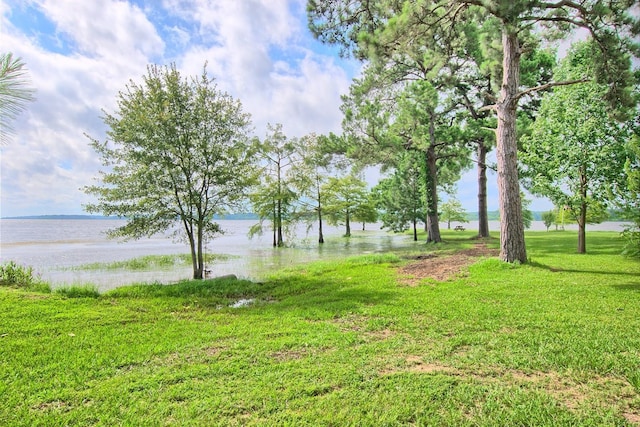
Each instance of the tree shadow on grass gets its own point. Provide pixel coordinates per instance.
(628, 286)
(585, 271)
(322, 294)
(321, 290)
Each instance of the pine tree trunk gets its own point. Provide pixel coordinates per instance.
(433, 225)
(483, 215)
(415, 228)
(512, 244)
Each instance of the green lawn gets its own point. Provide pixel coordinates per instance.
(553, 342)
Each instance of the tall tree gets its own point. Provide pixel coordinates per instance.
(15, 92)
(275, 197)
(387, 28)
(176, 152)
(576, 151)
(311, 175)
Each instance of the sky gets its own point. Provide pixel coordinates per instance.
(80, 54)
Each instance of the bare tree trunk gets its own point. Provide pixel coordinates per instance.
(320, 235)
(347, 226)
(415, 228)
(433, 226)
(199, 271)
(582, 216)
(280, 240)
(512, 244)
(275, 225)
(483, 215)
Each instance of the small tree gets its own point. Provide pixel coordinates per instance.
(366, 212)
(452, 210)
(548, 218)
(344, 197)
(176, 153)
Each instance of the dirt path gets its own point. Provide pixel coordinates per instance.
(443, 267)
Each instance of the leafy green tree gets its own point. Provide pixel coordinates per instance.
(366, 212)
(631, 199)
(15, 92)
(576, 151)
(275, 197)
(311, 175)
(344, 197)
(452, 210)
(389, 30)
(548, 218)
(400, 196)
(176, 152)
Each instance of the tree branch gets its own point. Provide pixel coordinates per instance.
(550, 85)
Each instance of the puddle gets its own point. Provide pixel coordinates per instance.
(244, 302)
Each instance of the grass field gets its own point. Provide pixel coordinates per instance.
(553, 342)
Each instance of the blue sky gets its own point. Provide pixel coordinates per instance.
(80, 53)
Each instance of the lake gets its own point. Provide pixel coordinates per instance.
(55, 248)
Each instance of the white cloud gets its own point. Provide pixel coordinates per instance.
(258, 50)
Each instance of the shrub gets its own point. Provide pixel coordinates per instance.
(12, 274)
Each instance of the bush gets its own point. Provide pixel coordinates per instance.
(12, 274)
(632, 246)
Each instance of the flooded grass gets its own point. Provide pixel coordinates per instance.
(150, 262)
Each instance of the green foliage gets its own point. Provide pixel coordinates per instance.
(576, 150)
(452, 210)
(12, 274)
(177, 153)
(631, 197)
(548, 218)
(15, 92)
(274, 199)
(343, 198)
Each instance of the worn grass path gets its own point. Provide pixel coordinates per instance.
(554, 342)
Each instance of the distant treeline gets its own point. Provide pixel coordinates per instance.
(100, 217)
(614, 215)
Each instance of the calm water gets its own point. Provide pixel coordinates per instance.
(55, 247)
